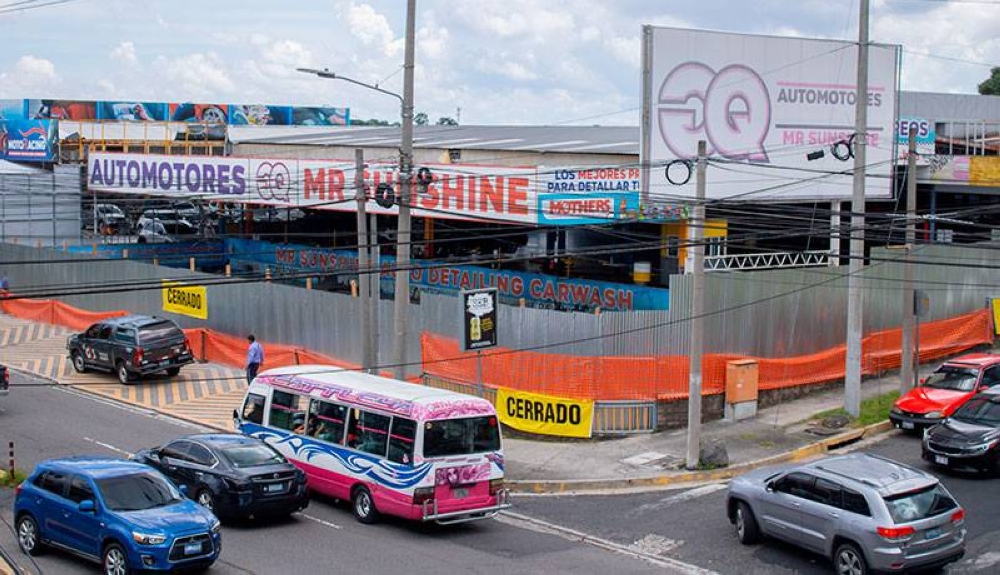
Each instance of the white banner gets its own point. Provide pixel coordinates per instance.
(762, 103)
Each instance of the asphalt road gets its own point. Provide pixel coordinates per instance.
(47, 422)
(691, 525)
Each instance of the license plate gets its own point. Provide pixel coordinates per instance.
(932, 533)
(460, 492)
(192, 548)
(274, 487)
(165, 362)
(940, 460)
(906, 424)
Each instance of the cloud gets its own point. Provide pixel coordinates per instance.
(196, 76)
(125, 52)
(30, 76)
(368, 25)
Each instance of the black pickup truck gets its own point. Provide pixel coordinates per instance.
(131, 346)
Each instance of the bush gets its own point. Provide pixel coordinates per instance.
(12, 480)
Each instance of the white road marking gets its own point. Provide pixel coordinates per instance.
(108, 446)
(679, 497)
(541, 526)
(322, 522)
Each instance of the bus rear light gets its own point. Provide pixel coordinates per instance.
(422, 495)
(496, 486)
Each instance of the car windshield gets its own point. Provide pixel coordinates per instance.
(137, 491)
(980, 411)
(953, 378)
(921, 504)
(252, 455)
(461, 436)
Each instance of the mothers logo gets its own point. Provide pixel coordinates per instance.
(731, 109)
(274, 182)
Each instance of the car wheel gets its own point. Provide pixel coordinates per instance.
(205, 499)
(78, 362)
(28, 538)
(364, 506)
(746, 524)
(115, 560)
(124, 375)
(848, 560)
(172, 371)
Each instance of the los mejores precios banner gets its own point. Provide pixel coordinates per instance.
(495, 193)
(762, 103)
(538, 290)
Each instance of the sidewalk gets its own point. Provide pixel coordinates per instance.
(777, 433)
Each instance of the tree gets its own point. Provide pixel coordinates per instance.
(991, 86)
(421, 119)
(372, 122)
(446, 121)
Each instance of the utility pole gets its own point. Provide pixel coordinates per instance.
(364, 264)
(855, 299)
(401, 301)
(907, 363)
(696, 244)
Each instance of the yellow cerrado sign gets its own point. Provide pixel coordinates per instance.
(544, 414)
(185, 300)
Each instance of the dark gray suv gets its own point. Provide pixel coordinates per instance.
(865, 512)
(131, 347)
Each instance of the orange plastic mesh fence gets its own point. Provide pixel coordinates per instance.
(666, 377)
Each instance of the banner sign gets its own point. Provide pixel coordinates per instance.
(185, 300)
(762, 103)
(978, 171)
(537, 290)
(207, 254)
(31, 140)
(495, 193)
(479, 318)
(926, 135)
(545, 414)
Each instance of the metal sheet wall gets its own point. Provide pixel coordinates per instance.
(41, 207)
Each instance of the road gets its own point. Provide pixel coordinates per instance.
(690, 525)
(45, 421)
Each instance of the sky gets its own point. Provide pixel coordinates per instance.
(482, 62)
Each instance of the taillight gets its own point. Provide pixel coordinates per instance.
(17, 490)
(187, 343)
(496, 485)
(137, 356)
(422, 495)
(958, 517)
(895, 533)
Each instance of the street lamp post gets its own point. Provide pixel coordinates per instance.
(401, 299)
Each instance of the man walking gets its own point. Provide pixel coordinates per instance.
(255, 357)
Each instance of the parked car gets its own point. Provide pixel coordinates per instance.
(131, 346)
(155, 226)
(175, 210)
(968, 440)
(109, 217)
(865, 512)
(123, 514)
(945, 390)
(231, 474)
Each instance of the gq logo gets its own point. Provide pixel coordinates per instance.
(273, 181)
(730, 109)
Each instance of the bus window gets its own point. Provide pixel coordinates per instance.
(327, 421)
(368, 432)
(404, 431)
(253, 408)
(461, 436)
(285, 412)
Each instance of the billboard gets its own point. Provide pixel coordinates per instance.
(30, 140)
(479, 318)
(761, 104)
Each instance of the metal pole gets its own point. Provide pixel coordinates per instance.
(364, 265)
(646, 125)
(479, 371)
(906, 364)
(375, 286)
(855, 299)
(834, 259)
(696, 246)
(402, 296)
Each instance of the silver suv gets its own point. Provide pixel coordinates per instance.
(867, 513)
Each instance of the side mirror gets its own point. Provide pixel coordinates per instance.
(769, 487)
(236, 415)
(87, 506)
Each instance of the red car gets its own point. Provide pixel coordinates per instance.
(945, 390)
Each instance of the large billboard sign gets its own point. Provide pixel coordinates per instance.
(498, 194)
(30, 140)
(761, 104)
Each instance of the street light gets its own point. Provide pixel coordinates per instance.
(401, 300)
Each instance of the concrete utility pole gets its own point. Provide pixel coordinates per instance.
(907, 363)
(855, 299)
(402, 297)
(696, 243)
(364, 264)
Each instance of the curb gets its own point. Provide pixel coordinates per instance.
(554, 487)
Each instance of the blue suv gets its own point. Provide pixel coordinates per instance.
(124, 514)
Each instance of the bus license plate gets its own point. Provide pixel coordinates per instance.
(192, 548)
(940, 460)
(460, 492)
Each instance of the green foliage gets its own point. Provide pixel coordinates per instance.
(991, 86)
(873, 410)
(9, 480)
(446, 121)
(421, 119)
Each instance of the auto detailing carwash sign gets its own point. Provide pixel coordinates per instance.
(185, 300)
(545, 414)
(761, 104)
